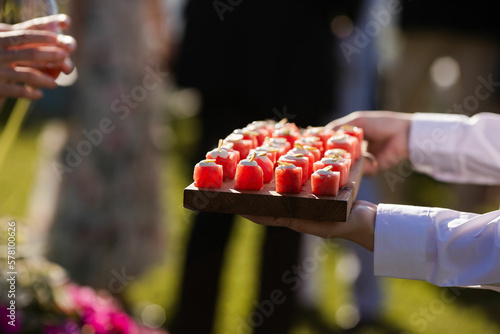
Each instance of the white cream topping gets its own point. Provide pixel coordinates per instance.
(284, 131)
(259, 153)
(315, 128)
(278, 140)
(267, 149)
(337, 151)
(310, 139)
(297, 150)
(324, 172)
(252, 127)
(286, 166)
(234, 137)
(259, 150)
(338, 138)
(216, 153)
(247, 162)
(289, 157)
(331, 161)
(227, 145)
(259, 124)
(204, 163)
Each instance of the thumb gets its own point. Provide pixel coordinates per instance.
(370, 164)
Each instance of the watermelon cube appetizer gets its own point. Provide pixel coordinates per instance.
(325, 181)
(283, 123)
(271, 152)
(228, 160)
(239, 144)
(269, 125)
(281, 144)
(338, 165)
(315, 152)
(249, 175)
(229, 147)
(248, 135)
(267, 166)
(353, 131)
(319, 131)
(339, 151)
(298, 160)
(288, 178)
(264, 129)
(312, 141)
(342, 153)
(299, 149)
(289, 131)
(207, 174)
(346, 142)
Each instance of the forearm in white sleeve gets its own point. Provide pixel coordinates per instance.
(456, 148)
(440, 246)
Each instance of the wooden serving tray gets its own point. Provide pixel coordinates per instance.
(267, 202)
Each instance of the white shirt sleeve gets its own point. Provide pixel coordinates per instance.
(456, 148)
(441, 246)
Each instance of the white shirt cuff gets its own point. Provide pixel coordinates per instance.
(433, 144)
(400, 241)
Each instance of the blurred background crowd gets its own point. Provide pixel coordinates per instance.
(174, 76)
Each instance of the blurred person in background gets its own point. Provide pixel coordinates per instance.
(356, 81)
(107, 226)
(254, 61)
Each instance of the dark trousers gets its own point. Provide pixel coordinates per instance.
(200, 284)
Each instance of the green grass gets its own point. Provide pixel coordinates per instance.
(409, 306)
(17, 175)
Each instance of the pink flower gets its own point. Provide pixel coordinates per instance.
(10, 317)
(122, 323)
(99, 312)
